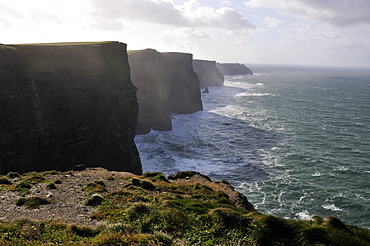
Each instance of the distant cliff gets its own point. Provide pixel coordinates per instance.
(233, 69)
(185, 97)
(67, 104)
(148, 75)
(166, 84)
(208, 73)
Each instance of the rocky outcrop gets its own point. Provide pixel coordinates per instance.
(208, 73)
(233, 69)
(67, 104)
(166, 84)
(192, 177)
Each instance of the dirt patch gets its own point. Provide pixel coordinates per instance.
(69, 197)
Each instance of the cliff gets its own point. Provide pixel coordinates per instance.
(67, 104)
(185, 97)
(166, 84)
(208, 73)
(148, 73)
(233, 69)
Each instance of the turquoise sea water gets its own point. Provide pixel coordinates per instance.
(294, 140)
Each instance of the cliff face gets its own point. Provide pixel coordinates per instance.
(185, 95)
(208, 73)
(233, 69)
(148, 73)
(166, 84)
(67, 104)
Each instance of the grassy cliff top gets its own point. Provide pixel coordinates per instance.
(130, 52)
(65, 43)
(99, 207)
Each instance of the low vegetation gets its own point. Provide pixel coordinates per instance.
(151, 210)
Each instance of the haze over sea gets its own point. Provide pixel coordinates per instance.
(294, 140)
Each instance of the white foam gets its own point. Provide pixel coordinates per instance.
(331, 207)
(249, 94)
(317, 174)
(304, 215)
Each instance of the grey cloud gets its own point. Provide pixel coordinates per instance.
(159, 12)
(165, 12)
(336, 12)
(343, 12)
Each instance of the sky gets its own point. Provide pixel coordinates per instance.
(295, 32)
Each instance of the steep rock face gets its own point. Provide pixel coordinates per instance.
(233, 69)
(185, 95)
(66, 104)
(148, 73)
(208, 73)
(166, 84)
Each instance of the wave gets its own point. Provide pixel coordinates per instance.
(249, 94)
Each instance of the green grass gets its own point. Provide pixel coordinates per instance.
(171, 214)
(94, 200)
(68, 43)
(95, 187)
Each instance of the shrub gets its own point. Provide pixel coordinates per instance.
(94, 200)
(57, 181)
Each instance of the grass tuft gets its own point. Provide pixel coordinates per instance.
(94, 200)
(94, 188)
(32, 202)
(51, 186)
(13, 175)
(83, 231)
(5, 181)
(138, 210)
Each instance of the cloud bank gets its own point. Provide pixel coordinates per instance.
(190, 14)
(335, 12)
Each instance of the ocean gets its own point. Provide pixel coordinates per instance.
(295, 140)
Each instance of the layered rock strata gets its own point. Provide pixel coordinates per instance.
(67, 104)
(208, 73)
